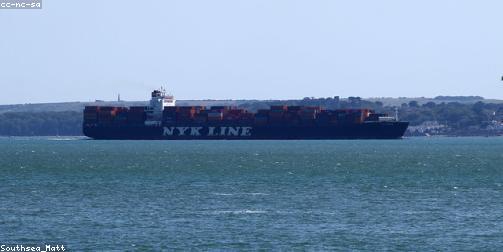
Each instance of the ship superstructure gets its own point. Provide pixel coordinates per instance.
(158, 102)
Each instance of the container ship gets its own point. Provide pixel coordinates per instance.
(162, 119)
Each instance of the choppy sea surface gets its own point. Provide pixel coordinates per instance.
(419, 194)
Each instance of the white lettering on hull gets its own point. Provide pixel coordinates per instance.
(181, 130)
(246, 131)
(233, 131)
(211, 131)
(222, 131)
(168, 131)
(195, 131)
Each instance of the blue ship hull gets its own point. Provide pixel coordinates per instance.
(366, 130)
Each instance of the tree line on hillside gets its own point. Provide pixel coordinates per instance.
(453, 114)
(458, 117)
(67, 123)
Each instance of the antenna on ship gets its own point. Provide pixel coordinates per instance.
(119, 97)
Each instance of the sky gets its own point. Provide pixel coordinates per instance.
(251, 49)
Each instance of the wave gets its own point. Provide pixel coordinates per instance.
(244, 211)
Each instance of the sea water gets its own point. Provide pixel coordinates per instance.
(420, 194)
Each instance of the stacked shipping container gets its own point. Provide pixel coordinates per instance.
(276, 115)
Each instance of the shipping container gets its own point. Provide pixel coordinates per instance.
(261, 120)
(280, 107)
(276, 114)
(222, 107)
(201, 117)
(136, 115)
(215, 116)
(263, 111)
(169, 113)
(307, 115)
(108, 108)
(170, 109)
(137, 108)
(92, 108)
(199, 108)
(294, 108)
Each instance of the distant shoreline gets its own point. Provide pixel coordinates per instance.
(449, 116)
